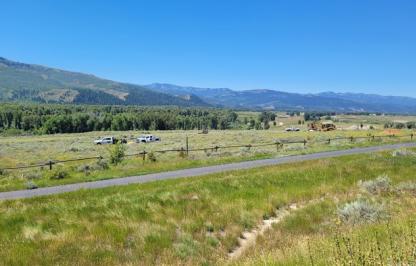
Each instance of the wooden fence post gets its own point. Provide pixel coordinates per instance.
(50, 164)
(329, 141)
(187, 146)
(411, 136)
(304, 143)
(352, 138)
(144, 155)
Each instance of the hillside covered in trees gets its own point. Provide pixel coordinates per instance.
(27, 82)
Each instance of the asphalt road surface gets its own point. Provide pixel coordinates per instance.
(193, 172)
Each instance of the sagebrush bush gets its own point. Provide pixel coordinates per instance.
(187, 247)
(32, 175)
(85, 168)
(361, 211)
(406, 186)
(58, 173)
(31, 185)
(400, 153)
(379, 185)
(101, 165)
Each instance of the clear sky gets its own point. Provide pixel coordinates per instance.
(297, 46)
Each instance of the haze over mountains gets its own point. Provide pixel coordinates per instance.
(278, 100)
(35, 83)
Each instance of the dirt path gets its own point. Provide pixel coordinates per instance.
(248, 238)
(194, 172)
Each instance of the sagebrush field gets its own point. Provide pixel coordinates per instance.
(32, 150)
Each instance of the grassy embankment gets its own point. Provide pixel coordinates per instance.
(198, 220)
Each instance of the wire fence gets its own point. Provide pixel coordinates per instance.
(186, 150)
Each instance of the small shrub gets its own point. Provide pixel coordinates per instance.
(209, 227)
(152, 157)
(31, 185)
(182, 154)
(212, 241)
(360, 212)
(401, 153)
(379, 185)
(117, 153)
(187, 247)
(406, 186)
(84, 169)
(247, 219)
(101, 165)
(32, 175)
(58, 173)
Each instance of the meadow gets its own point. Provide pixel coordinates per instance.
(17, 151)
(197, 221)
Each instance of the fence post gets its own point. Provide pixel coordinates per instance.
(352, 138)
(411, 136)
(144, 155)
(50, 164)
(304, 143)
(187, 146)
(329, 141)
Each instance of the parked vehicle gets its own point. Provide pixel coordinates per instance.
(147, 138)
(289, 129)
(324, 126)
(105, 140)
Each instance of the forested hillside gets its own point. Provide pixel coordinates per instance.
(27, 82)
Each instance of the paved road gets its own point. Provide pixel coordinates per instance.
(193, 172)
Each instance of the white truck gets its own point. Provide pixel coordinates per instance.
(105, 140)
(147, 138)
(290, 129)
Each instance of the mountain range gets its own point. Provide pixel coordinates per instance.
(35, 83)
(27, 82)
(279, 100)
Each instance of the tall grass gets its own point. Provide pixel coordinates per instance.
(189, 221)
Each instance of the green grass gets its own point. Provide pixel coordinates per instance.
(187, 221)
(316, 235)
(18, 151)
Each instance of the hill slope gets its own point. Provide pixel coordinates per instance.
(26, 82)
(278, 100)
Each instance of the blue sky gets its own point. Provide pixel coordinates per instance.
(297, 46)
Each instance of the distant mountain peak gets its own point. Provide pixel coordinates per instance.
(264, 99)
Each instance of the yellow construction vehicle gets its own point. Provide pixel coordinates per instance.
(322, 126)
